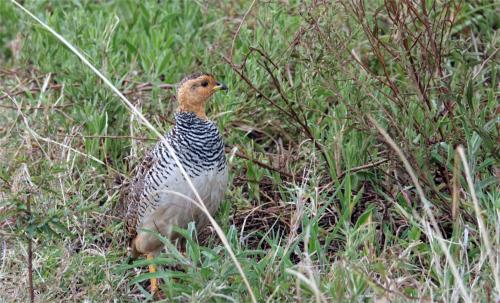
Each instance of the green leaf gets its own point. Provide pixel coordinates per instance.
(365, 218)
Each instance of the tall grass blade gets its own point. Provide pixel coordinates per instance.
(133, 109)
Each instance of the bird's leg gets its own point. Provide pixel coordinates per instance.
(182, 246)
(154, 281)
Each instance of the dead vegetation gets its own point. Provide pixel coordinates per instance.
(315, 185)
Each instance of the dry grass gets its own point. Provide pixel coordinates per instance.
(325, 204)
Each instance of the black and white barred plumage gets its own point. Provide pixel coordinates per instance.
(155, 198)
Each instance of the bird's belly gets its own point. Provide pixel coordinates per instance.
(177, 204)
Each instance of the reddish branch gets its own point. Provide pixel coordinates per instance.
(137, 89)
(289, 111)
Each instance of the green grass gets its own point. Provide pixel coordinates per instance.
(319, 207)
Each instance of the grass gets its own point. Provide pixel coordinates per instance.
(321, 207)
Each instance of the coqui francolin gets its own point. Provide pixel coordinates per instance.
(159, 197)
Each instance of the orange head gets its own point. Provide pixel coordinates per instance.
(195, 90)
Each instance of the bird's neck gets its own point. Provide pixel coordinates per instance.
(185, 106)
(199, 111)
(186, 119)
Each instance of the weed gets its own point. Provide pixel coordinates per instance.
(342, 124)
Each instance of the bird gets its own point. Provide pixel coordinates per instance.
(158, 197)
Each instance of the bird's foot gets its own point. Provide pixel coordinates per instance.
(154, 289)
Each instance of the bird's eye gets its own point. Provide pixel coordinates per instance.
(204, 83)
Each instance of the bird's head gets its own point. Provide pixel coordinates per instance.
(195, 90)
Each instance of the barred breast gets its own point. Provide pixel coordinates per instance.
(160, 197)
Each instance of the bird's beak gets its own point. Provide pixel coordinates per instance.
(220, 86)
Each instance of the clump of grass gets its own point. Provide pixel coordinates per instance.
(321, 208)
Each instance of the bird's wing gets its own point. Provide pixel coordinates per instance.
(131, 194)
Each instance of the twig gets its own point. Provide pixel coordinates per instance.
(290, 112)
(257, 90)
(30, 253)
(106, 137)
(363, 167)
(264, 165)
(38, 137)
(31, 91)
(484, 63)
(34, 107)
(480, 221)
(147, 86)
(228, 150)
(433, 226)
(28, 186)
(239, 28)
(302, 122)
(142, 87)
(170, 149)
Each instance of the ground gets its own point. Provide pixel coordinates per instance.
(354, 131)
